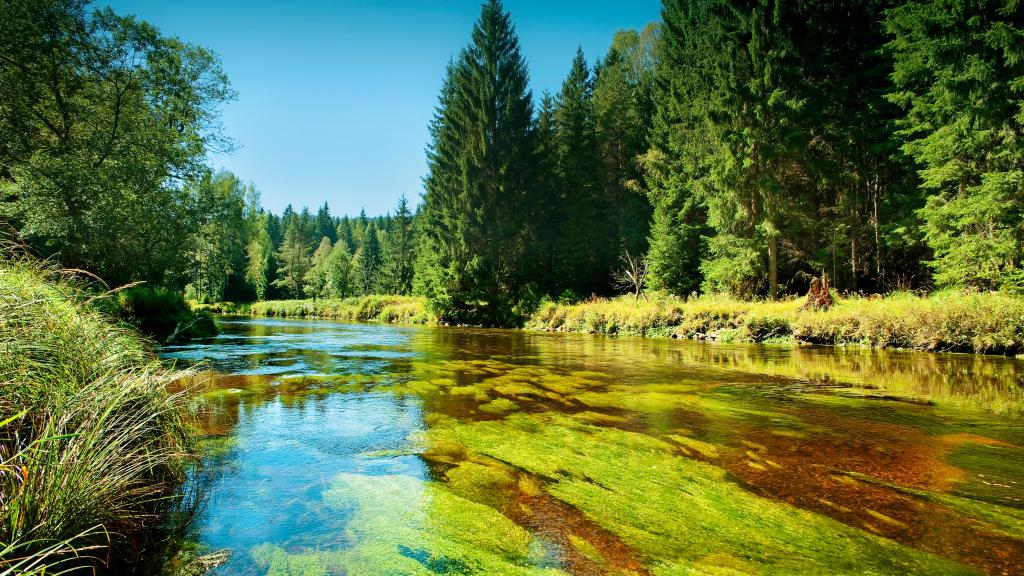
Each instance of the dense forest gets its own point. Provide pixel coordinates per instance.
(739, 146)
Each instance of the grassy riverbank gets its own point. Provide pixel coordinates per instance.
(93, 449)
(946, 321)
(990, 323)
(375, 308)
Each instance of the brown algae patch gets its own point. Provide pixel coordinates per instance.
(821, 471)
(674, 512)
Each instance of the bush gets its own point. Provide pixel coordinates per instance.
(372, 308)
(93, 449)
(162, 314)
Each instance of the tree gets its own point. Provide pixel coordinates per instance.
(217, 244)
(623, 98)
(959, 74)
(293, 259)
(259, 253)
(104, 122)
(481, 162)
(398, 255)
(735, 87)
(325, 226)
(337, 272)
(316, 277)
(367, 263)
(583, 249)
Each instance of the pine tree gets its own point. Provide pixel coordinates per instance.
(623, 109)
(542, 262)
(736, 87)
(585, 255)
(481, 172)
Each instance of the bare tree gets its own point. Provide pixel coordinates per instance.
(632, 275)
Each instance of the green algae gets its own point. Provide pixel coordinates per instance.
(677, 512)
(483, 483)
(996, 474)
(499, 406)
(401, 525)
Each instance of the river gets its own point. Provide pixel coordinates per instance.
(375, 449)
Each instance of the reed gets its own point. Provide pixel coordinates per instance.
(93, 449)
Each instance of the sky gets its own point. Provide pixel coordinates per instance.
(334, 98)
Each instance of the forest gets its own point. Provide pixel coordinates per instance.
(737, 147)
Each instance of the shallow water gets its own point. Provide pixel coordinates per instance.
(374, 449)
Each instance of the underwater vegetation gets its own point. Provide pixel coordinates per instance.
(543, 454)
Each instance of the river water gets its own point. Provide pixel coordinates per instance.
(337, 449)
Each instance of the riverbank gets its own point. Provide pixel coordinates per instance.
(983, 323)
(93, 449)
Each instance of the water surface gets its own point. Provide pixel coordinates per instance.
(370, 449)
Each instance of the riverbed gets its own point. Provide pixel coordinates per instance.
(377, 449)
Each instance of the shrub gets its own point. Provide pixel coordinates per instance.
(162, 314)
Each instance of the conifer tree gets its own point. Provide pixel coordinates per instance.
(396, 275)
(293, 259)
(481, 174)
(367, 262)
(623, 108)
(583, 248)
(959, 73)
(325, 226)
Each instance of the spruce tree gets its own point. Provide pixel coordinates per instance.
(316, 277)
(367, 262)
(396, 275)
(325, 226)
(585, 255)
(959, 73)
(293, 259)
(481, 173)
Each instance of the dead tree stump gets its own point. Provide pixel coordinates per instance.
(819, 297)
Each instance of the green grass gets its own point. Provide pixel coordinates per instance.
(989, 323)
(373, 308)
(93, 450)
(945, 321)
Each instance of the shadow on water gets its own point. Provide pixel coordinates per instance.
(374, 449)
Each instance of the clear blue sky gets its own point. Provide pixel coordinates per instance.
(334, 98)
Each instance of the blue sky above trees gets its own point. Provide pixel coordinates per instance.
(334, 98)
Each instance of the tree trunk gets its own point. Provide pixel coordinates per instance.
(773, 267)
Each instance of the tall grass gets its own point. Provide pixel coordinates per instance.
(93, 449)
(373, 308)
(945, 321)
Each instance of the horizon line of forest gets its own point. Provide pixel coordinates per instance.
(738, 147)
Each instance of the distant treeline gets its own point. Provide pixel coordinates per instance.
(741, 146)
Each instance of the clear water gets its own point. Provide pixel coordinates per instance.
(374, 449)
